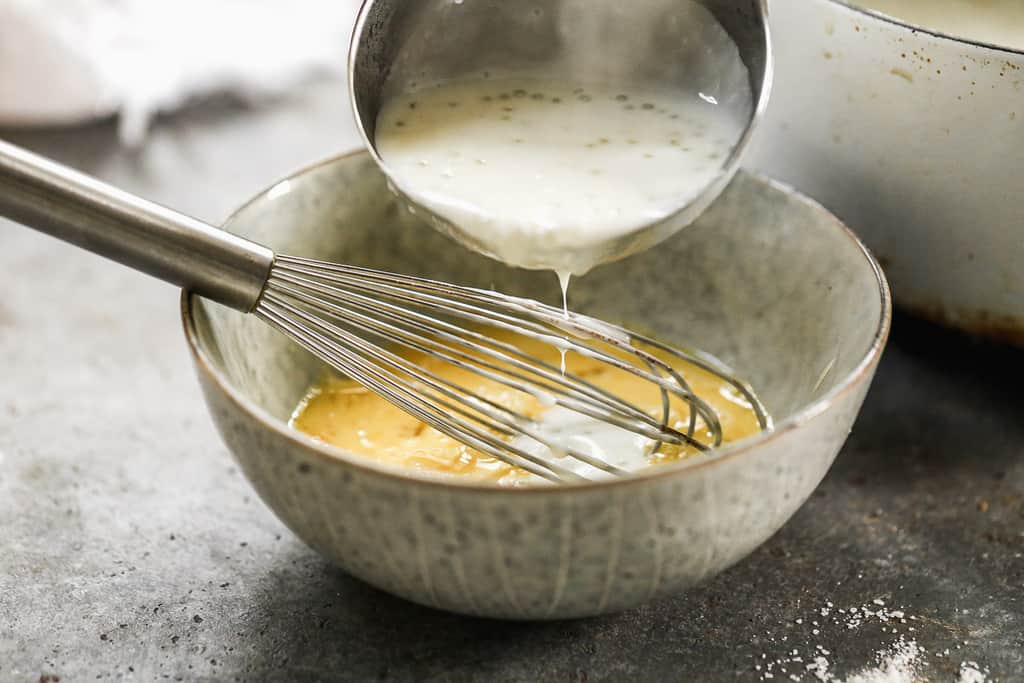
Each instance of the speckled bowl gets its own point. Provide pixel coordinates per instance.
(766, 280)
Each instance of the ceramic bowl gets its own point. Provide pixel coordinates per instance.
(767, 280)
(916, 140)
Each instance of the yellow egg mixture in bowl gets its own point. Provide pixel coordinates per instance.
(766, 280)
(342, 413)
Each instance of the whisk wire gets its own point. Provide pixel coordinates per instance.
(509, 422)
(357, 278)
(371, 376)
(350, 316)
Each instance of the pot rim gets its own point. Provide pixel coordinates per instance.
(918, 28)
(335, 456)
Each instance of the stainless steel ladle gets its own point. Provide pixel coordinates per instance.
(718, 48)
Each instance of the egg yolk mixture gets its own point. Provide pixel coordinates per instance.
(342, 413)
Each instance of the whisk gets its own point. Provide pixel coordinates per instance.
(358, 321)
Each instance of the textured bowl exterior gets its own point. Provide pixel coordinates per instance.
(556, 552)
(541, 554)
(916, 140)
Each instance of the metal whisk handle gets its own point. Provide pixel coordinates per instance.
(76, 208)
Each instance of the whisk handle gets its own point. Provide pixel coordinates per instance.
(79, 209)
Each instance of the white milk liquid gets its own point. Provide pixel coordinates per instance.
(542, 174)
(999, 22)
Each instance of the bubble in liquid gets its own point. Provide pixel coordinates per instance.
(508, 108)
(453, 104)
(504, 96)
(519, 92)
(400, 124)
(537, 96)
(487, 98)
(412, 105)
(556, 100)
(647, 105)
(584, 98)
(630, 107)
(622, 98)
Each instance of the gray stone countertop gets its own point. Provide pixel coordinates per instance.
(133, 548)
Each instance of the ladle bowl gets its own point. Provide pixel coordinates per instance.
(720, 48)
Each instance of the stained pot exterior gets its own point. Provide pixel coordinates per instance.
(916, 141)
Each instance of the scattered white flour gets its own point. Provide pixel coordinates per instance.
(899, 659)
(970, 672)
(897, 664)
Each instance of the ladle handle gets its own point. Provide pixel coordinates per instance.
(42, 194)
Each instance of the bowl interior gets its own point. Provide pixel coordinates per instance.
(767, 281)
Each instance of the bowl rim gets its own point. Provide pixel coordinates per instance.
(920, 28)
(335, 456)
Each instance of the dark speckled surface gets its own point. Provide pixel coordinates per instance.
(134, 549)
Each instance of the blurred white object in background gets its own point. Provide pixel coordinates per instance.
(65, 62)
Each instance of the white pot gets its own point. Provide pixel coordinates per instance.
(916, 140)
